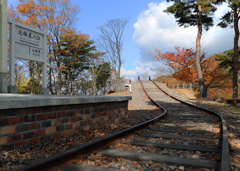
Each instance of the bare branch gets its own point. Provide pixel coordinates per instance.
(110, 41)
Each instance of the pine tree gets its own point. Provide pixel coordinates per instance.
(231, 19)
(226, 59)
(74, 52)
(195, 13)
(103, 76)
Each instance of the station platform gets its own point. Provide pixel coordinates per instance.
(26, 119)
(11, 101)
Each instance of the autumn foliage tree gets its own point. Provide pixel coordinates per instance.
(195, 13)
(57, 17)
(180, 63)
(183, 65)
(20, 79)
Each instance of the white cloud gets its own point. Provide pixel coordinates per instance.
(150, 67)
(157, 29)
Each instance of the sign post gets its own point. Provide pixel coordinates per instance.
(27, 43)
(3, 46)
(129, 85)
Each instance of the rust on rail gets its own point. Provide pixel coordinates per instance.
(225, 145)
(64, 159)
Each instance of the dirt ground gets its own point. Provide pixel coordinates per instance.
(214, 105)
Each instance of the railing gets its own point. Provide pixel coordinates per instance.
(183, 86)
(191, 86)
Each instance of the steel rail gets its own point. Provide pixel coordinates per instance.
(225, 145)
(161, 107)
(68, 157)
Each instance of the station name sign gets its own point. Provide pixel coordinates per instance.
(28, 42)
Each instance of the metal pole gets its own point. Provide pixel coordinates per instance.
(3, 46)
(130, 85)
(12, 88)
(177, 86)
(190, 87)
(12, 55)
(44, 90)
(44, 69)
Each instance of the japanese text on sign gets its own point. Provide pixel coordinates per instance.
(28, 37)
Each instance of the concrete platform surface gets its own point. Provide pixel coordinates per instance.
(10, 101)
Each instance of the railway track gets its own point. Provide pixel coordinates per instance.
(234, 140)
(183, 137)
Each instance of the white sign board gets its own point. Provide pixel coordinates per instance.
(29, 43)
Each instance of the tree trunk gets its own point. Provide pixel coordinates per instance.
(94, 88)
(50, 80)
(205, 90)
(30, 67)
(198, 53)
(94, 84)
(50, 74)
(73, 88)
(68, 83)
(118, 78)
(235, 58)
(54, 81)
(59, 80)
(73, 82)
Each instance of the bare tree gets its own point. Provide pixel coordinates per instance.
(145, 75)
(110, 41)
(95, 62)
(161, 72)
(20, 70)
(83, 84)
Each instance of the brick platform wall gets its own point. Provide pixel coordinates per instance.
(30, 125)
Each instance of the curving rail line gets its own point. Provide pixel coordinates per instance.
(66, 158)
(225, 145)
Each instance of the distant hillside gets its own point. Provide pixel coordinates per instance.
(169, 79)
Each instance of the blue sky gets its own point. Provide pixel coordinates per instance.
(148, 27)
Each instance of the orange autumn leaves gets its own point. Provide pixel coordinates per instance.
(56, 17)
(182, 63)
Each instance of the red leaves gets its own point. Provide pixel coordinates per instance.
(157, 58)
(182, 63)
